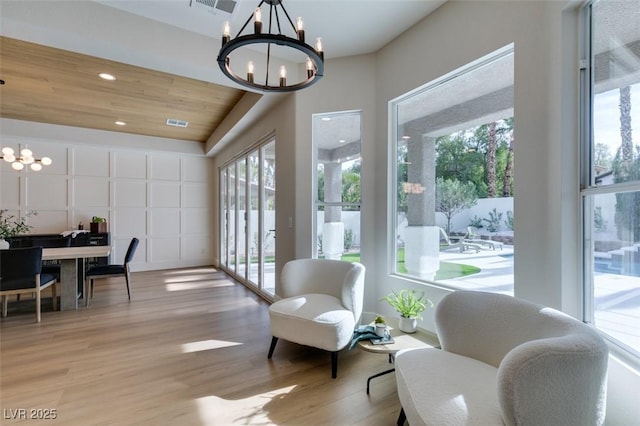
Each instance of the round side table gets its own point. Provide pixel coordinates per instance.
(401, 341)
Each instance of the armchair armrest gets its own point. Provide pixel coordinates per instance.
(553, 381)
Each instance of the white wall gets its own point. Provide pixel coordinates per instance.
(162, 198)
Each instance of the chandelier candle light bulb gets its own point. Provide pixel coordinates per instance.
(257, 21)
(319, 47)
(300, 28)
(250, 72)
(283, 76)
(309, 68)
(226, 33)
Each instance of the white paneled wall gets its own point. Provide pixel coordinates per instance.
(163, 199)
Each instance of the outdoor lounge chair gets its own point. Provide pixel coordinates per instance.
(460, 243)
(474, 237)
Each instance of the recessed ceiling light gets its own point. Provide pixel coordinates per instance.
(341, 141)
(106, 76)
(406, 137)
(326, 118)
(120, 123)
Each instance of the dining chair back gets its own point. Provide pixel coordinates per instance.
(113, 270)
(52, 267)
(20, 272)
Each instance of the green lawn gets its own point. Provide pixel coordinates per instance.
(447, 270)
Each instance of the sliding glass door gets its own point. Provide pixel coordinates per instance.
(247, 219)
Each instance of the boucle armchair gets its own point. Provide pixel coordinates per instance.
(321, 305)
(504, 361)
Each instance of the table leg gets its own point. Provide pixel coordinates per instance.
(69, 284)
(378, 375)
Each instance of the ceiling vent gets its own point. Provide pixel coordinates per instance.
(177, 123)
(214, 6)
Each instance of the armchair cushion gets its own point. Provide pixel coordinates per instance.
(317, 320)
(456, 390)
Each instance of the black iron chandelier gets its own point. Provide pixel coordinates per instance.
(314, 60)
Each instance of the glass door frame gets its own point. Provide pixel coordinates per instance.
(230, 259)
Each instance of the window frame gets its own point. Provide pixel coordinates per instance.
(589, 188)
(392, 154)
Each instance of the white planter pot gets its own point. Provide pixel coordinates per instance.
(4, 244)
(408, 325)
(381, 330)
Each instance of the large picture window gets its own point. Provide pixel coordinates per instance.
(611, 170)
(338, 161)
(454, 171)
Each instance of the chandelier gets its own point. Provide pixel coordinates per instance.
(25, 158)
(274, 36)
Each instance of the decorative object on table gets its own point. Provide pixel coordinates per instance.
(409, 304)
(10, 226)
(25, 158)
(313, 55)
(363, 332)
(386, 340)
(98, 225)
(381, 326)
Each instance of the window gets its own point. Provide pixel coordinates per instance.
(453, 168)
(611, 170)
(336, 141)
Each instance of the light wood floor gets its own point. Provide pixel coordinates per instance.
(189, 349)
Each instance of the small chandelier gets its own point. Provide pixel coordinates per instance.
(26, 157)
(315, 55)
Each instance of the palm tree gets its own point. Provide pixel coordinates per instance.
(508, 171)
(491, 160)
(625, 125)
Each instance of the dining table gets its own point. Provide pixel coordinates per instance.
(72, 269)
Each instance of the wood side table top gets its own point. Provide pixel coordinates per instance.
(402, 340)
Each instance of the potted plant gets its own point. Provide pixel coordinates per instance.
(409, 305)
(98, 225)
(381, 326)
(11, 226)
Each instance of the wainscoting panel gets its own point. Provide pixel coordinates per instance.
(130, 221)
(165, 222)
(163, 199)
(165, 167)
(10, 189)
(44, 191)
(195, 220)
(90, 192)
(91, 162)
(130, 193)
(130, 165)
(164, 194)
(164, 250)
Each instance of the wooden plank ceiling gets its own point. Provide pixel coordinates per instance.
(55, 86)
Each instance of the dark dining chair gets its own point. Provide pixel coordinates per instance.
(51, 266)
(107, 271)
(20, 272)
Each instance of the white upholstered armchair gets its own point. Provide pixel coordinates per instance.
(504, 361)
(320, 306)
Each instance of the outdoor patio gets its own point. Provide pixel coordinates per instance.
(617, 297)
